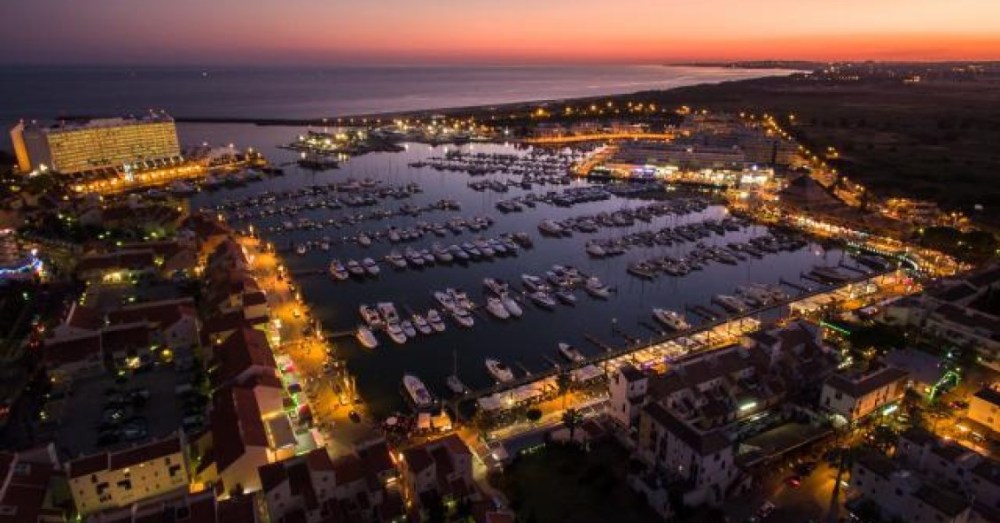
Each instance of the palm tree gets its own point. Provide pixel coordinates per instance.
(571, 418)
(563, 382)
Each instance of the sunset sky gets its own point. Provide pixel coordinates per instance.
(492, 31)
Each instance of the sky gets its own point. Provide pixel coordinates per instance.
(301, 32)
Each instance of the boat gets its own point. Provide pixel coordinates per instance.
(596, 288)
(370, 266)
(566, 297)
(452, 381)
(364, 240)
(671, 319)
(542, 299)
(421, 324)
(435, 321)
(570, 352)
(445, 299)
(499, 371)
(366, 337)
(594, 249)
(355, 268)
(395, 332)
(456, 385)
(458, 253)
(396, 260)
(730, 303)
(461, 298)
(511, 305)
(533, 283)
(370, 316)
(338, 271)
(641, 270)
(414, 257)
(181, 188)
(496, 287)
(495, 307)
(408, 329)
(388, 312)
(523, 239)
(441, 254)
(462, 317)
(301, 249)
(417, 392)
(829, 274)
(551, 228)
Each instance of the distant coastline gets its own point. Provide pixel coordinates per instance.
(466, 109)
(796, 65)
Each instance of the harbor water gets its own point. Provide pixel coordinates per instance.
(526, 344)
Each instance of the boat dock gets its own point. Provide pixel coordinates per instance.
(612, 353)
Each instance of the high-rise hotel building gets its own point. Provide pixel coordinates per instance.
(77, 147)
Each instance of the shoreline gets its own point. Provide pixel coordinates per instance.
(467, 109)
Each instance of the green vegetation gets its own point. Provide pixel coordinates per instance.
(973, 246)
(564, 483)
(934, 140)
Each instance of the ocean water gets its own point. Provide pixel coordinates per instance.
(46, 92)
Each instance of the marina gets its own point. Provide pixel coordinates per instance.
(447, 323)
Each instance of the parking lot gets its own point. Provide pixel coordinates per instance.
(107, 412)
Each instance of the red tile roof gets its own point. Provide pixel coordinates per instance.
(126, 336)
(241, 351)
(58, 352)
(235, 424)
(83, 317)
(162, 313)
(144, 453)
(131, 260)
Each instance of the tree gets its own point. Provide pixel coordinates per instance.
(565, 383)
(533, 415)
(572, 419)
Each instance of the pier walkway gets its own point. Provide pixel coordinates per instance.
(614, 356)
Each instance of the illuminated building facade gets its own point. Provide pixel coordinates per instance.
(71, 148)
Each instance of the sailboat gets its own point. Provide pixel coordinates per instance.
(452, 381)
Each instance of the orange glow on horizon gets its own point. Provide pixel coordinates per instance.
(395, 31)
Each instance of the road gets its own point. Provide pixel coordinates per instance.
(294, 334)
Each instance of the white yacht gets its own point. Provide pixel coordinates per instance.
(496, 308)
(730, 303)
(417, 391)
(420, 323)
(462, 317)
(337, 271)
(370, 266)
(551, 228)
(395, 332)
(366, 337)
(396, 260)
(435, 321)
(671, 319)
(499, 371)
(388, 312)
(511, 305)
(355, 268)
(571, 353)
(370, 316)
(364, 240)
(445, 299)
(408, 328)
(596, 288)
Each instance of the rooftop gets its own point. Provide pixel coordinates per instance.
(861, 385)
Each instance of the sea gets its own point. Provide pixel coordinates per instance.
(46, 93)
(527, 344)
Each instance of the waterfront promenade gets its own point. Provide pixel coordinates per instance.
(294, 333)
